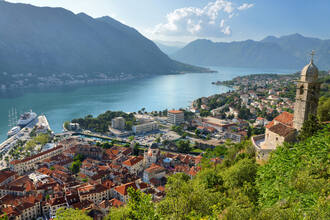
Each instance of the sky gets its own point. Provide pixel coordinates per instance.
(218, 20)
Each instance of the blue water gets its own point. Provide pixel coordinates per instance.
(155, 93)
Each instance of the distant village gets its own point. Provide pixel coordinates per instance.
(33, 80)
(92, 164)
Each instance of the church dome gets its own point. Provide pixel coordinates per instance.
(309, 73)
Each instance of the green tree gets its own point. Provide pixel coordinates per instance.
(75, 166)
(66, 125)
(204, 113)
(71, 214)
(139, 206)
(323, 110)
(130, 138)
(4, 217)
(309, 128)
(136, 149)
(183, 146)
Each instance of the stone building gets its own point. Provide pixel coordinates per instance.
(151, 156)
(285, 127)
(307, 95)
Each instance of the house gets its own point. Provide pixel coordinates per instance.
(54, 204)
(105, 205)
(154, 171)
(134, 164)
(6, 176)
(121, 191)
(95, 193)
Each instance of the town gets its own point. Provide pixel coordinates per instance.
(93, 163)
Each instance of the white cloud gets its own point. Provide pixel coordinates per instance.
(245, 6)
(208, 21)
(226, 30)
(222, 22)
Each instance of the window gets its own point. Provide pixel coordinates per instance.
(301, 90)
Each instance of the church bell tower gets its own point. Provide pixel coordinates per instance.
(307, 95)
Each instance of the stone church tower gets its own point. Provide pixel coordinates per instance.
(307, 95)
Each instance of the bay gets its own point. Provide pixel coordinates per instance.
(154, 93)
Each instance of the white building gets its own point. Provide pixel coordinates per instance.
(145, 127)
(175, 117)
(154, 171)
(118, 123)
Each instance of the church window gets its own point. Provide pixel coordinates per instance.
(301, 90)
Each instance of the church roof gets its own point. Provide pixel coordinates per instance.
(309, 73)
(281, 130)
(285, 118)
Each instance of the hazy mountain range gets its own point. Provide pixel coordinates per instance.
(169, 47)
(45, 40)
(290, 51)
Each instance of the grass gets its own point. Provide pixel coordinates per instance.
(196, 150)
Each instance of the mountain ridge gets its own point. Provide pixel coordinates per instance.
(289, 51)
(45, 40)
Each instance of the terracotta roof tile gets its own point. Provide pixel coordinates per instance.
(285, 118)
(132, 161)
(123, 188)
(175, 111)
(281, 130)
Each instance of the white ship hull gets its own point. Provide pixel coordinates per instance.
(26, 118)
(13, 131)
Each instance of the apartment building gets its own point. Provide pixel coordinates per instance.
(95, 193)
(175, 117)
(29, 163)
(145, 127)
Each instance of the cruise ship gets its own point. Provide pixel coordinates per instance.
(13, 131)
(26, 118)
(23, 121)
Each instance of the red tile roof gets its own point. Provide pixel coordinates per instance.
(281, 130)
(154, 168)
(105, 204)
(132, 161)
(5, 175)
(175, 111)
(116, 203)
(285, 118)
(123, 188)
(270, 124)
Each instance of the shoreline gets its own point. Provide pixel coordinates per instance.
(86, 82)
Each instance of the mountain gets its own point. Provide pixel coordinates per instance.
(45, 41)
(290, 51)
(167, 49)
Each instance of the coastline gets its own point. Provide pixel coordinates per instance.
(99, 79)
